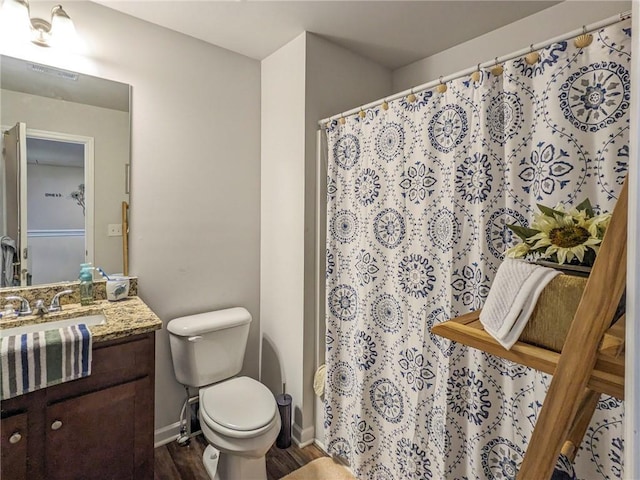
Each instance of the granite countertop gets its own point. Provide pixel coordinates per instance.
(130, 316)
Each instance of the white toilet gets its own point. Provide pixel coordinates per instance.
(238, 415)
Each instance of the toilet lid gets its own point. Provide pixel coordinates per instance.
(239, 404)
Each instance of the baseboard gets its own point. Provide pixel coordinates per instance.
(320, 445)
(303, 437)
(165, 435)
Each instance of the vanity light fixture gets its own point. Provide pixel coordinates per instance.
(60, 31)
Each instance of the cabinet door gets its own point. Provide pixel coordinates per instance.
(93, 436)
(14, 447)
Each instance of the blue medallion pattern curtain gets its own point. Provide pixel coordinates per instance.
(419, 196)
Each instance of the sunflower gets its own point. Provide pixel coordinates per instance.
(562, 236)
(566, 236)
(518, 251)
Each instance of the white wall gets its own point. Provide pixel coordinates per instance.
(110, 131)
(632, 358)
(282, 220)
(49, 201)
(3, 188)
(57, 257)
(551, 22)
(195, 201)
(306, 80)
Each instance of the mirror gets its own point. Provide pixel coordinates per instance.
(64, 174)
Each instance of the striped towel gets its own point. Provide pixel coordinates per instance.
(41, 359)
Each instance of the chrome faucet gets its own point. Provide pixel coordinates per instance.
(55, 301)
(40, 309)
(25, 308)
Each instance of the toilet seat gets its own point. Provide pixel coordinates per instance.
(240, 407)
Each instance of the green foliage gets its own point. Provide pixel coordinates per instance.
(550, 212)
(586, 205)
(523, 232)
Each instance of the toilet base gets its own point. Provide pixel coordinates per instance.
(210, 459)
(222, 466)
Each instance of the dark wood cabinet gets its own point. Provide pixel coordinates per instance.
(99, 427)
(14, 447)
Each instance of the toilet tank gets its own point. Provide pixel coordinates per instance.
(209, 347)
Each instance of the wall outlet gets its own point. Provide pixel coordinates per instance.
(114, 230)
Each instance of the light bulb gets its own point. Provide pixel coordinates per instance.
(14, 20)
(63, 32)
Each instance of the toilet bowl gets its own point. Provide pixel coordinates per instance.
(240, 421)
(238, 415)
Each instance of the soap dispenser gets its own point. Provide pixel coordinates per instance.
(86, 284)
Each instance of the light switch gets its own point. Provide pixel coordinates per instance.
(114, 230)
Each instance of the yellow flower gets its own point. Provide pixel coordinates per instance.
(542, 222)
(518, 251)
(566, 236)
(598, 224)
(562, 235)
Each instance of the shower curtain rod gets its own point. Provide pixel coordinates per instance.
(533, 47)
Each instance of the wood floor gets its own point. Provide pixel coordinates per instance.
(173, 462)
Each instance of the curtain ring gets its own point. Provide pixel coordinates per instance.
(362, 113)
(497, 69)
(584, 40)
(385, 105)
(442, 87)
(411, 97)
(475, 76)
(532, 57)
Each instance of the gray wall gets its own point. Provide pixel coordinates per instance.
(632, 356)
(195, 201)
(549, 23)
(195, 221)
(282, 226)
(304, 81)
(53, 212)
(110, 131)
(54, 258)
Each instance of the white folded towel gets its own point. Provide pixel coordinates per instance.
(512, 298)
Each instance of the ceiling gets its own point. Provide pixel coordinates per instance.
(392, 33)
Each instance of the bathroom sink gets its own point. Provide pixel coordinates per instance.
(88, 320)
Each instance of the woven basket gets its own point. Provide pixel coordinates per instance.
(553, 314)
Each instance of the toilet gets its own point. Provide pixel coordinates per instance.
(238, 415)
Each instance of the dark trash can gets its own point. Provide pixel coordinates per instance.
(284, 408)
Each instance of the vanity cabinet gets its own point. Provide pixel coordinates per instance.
(98, 427)
(14, 447)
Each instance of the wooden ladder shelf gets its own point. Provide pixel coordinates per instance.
(591, 361)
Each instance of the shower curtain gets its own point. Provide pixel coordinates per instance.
(418, 199)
